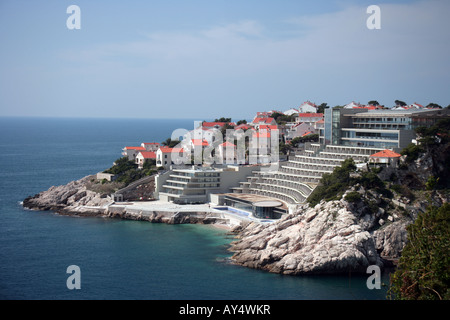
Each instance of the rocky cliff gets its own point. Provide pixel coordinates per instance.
(75, 198)
(324, 239)
(68, 197)
(341, 236)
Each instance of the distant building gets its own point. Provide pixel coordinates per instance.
(353, 105)
(264, 121)
(307, 106)
(151, 146)
(290, 112)
(388, 128)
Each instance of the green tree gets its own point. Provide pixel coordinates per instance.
(412, 152)
(322, 107)
(241, 122)
(222, 119)
(333, 185)
(284, 147)
(400, 103)
(434, 105)
(170, 143)
(374, 103)
(423, 272)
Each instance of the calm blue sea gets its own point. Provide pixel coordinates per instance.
(119, 259)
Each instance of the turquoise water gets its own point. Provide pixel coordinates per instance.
(119, 259)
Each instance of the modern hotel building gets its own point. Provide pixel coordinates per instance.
(381, 128)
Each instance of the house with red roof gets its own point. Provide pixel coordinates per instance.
(243, 126)
(151, 146)
(165, 157)
(132, 152)
(264, 121)
(307, 106)
(213, 125)
(385, 158)
(145, 156)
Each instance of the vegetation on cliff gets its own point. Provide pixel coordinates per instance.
(423, 271)
(127, 171)
(333, 185)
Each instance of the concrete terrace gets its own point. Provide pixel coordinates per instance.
(146, 208)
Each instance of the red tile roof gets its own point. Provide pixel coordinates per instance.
(199, 142)
(310, 115)
(170, 150)
(242, 126)
(135, 148)
(213, 124)
(148, 154)
(227, 144)
(268, 127)
(265, 120)
(386, 154)
(155, 143)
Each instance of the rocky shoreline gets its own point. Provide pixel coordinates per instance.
(325, 239)
(330, 238)
(75, 199)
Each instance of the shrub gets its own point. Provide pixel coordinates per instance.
(423, 271)
(353, 197)
(411, 152)
(431, 183)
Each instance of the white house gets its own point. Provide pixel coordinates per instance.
(144, 156)
(307, 107)
(290, 112)
(352, 105)
(132, 152)
(166, 156)
(151, 146)
(385, 158)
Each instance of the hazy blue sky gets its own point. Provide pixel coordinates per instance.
(211, 58)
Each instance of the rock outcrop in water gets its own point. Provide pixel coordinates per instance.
(66, 198)
(75, 199)
(321, 240)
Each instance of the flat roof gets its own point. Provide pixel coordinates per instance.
(390, 112)
(267, 204)
(254, 198)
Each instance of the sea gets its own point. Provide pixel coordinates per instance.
(120, 259)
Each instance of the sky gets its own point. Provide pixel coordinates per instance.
(218, 58)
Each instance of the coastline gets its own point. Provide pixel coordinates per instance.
(329, 238)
